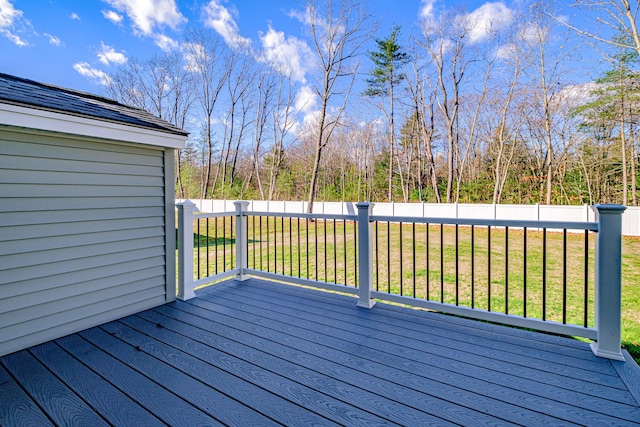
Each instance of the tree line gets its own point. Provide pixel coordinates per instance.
(460, 112)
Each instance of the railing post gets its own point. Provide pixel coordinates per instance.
(185, 250)
(241, 239)
(365, 255)
(608, 281)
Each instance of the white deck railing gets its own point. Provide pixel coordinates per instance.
(362, 239)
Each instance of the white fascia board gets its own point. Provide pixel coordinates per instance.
(33, 118)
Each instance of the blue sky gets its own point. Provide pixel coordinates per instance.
(74, 43)
(58, 41)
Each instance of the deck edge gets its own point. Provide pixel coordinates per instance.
(629, 373)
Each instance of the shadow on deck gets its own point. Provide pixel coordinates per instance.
(262, 353)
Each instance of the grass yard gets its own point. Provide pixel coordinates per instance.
(486, 269)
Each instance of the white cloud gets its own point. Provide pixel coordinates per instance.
(108, 55)
(194, 54)
(288, 55)
(147, 14)
(74, 16)
(8, 14)
(306, 100)
(9, 17)
(53, 40)
(86, 70)
(427, 12)
(506, 51)
(112, 16)
(165, 43)
(304, 16)
(486, 19)
(310, 121)
(480, 23)
(16, 39)
(305, 111)
(572, 95)
(219, 18)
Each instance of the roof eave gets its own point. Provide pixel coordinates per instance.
(34, 118)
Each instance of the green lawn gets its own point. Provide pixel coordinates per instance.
(426, 263)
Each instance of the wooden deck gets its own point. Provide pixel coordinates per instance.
(259, 353)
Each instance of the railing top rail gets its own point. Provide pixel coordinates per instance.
(571, 225)
(303, 215)
(199, 215)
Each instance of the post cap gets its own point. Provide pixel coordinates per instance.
(609, 208)
(364, 204)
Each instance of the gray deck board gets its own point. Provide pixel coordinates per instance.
(62, 405)
(113, 405)
(17, 407)
(167, 406)
(499, 399)
(263, 353)
(313, 372)
(550, 348)
(437, 398)
(630, 374)
(461, 337)
(401, 327)
(340, 330)
(307, 388)
(257, 398)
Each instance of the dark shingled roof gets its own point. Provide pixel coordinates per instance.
(28, 93)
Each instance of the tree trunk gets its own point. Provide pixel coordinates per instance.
(623, 146)
(318, 155)
(634, 189)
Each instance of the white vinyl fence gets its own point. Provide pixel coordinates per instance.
(630, 218)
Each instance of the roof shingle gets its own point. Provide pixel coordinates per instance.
(23, 92)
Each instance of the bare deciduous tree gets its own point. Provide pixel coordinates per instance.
(338, 31)
(446, 45)
(424, 100)
(207, 58)
(160, 85)
(284, 119)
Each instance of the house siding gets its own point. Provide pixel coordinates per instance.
(82, 233)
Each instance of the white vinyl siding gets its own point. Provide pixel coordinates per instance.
(82, 234)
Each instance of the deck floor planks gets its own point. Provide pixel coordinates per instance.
(17, 408)
(415, 332)
(503, 333)
(526, 338)
(471, 326)
(455, 408)
(167, 406)
(477, 400)
(113, 405)
(161, 370)
(552, 344)
(457, 335)
(318, 383)
(62, 405)
(356, 389)
(629, 373)
(496, 333)
(241, 352)
(541, 360)
(304, 396)
(258, 398)
(628, 411)
(330, 323)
